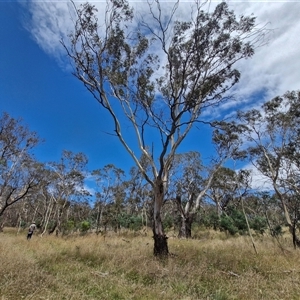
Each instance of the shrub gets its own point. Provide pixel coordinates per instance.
(168, 222)
(85, 226)
(227, 223)
(130, 222)
(259, 224)
(277, 230)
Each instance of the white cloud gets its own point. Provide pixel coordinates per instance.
(274, 67)
(272, 71)
(259, 182)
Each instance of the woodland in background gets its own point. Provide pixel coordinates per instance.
(54, 194)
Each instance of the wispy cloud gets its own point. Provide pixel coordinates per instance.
(272, 71)
(49, 23)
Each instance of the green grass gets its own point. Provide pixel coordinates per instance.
(123, 267)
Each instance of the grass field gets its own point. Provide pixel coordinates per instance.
(123, 267)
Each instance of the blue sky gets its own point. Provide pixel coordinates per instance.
(35, 86)
(50, 100)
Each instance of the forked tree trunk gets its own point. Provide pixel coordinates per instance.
(160, 239)
(185, 230)
(187, 218)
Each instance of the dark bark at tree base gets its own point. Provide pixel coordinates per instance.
(296, 240)
(160, 245)
(185, 231)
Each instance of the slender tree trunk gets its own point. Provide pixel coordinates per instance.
(35, 211)
(47, 217)
(296, 240)
(160, 239)
(2, 222)
(291, 225)
(99, 217)
(248, 226)
(19, 223)
(144, 217)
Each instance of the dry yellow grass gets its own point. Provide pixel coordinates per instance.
(123, 267)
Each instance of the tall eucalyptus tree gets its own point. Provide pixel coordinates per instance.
(159, 74)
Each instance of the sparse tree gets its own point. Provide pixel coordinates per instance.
(197, 179)
(272, 135)
(161, 74)
(19, 171)
(185, 184)
(109, 181)
(67, 185)
(222, 189)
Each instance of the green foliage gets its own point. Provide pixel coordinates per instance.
(259, 224)
(211, 220)
(85, 226)
(168, 221)
(23, 224)
(130, 222)
(239, 220)
(277, 230)
(235, 222)
(227, 223)
(51, 224)
(68, 226)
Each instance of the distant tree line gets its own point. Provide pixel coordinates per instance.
(199, 195)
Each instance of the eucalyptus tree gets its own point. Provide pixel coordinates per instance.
(272, 135)
(137, 191)
(185, 184)
(138, 197)
(196, 178)
(158, 74)
(19, 171)
(46, 200)
(67, 186)
(222, 189)
(110, 194)
(35, 206)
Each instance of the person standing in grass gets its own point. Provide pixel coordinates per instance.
(31, 229)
